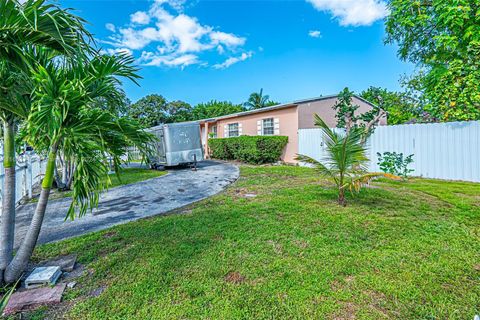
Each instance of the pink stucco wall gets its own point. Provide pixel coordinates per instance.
(288, 127)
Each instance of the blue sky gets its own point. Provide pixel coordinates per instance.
(196, 51)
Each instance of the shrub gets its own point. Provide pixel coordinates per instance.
(395, 163)
(249, 149)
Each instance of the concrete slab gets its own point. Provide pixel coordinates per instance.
(43, 276)
(31, 299)
(180, 187)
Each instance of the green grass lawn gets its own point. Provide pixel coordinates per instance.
(399, 250)
(127, 176)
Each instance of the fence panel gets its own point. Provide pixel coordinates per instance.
(440, 150)
(28, 172)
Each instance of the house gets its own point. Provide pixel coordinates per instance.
(283, 119)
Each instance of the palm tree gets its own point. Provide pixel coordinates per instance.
(346, 160)
(66, 115)
(257, 100)
(31, 23)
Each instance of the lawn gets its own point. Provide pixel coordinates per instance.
(399, 250)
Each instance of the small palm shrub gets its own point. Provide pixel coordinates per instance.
(346, 161)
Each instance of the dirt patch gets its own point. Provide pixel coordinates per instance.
(277, 247)
(347, 312)
(234, 277)
(476, 267)
(109, 234)
(301, 243)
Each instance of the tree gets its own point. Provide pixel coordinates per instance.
(150, 110)
(349, 119)
(257, 100)
(65, 115)
(443, 39)
(178, 111)
(346, 161)
(400, 107)
(33, 23)
(214, 109)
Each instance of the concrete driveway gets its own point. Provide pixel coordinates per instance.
(119, 205)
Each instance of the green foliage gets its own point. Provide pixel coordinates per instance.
(348, 117)
(214, 109)
(443, 39)
(258, 100)
(66, 115)
(346, 159)
(154, 109)
(395, 163)
(248, 149)
(6, 297)
(178, 111)
(400, 106)
(149, 110)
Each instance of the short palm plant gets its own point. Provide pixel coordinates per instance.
(346, 160)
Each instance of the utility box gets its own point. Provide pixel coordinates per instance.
(176, 144)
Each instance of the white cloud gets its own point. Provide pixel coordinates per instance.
(315, 34)
(178, 37)
(110, 27)
(353, 12)
(228, 39)
(232, 60)
(168, 60)
(140, 17)
(118, 50)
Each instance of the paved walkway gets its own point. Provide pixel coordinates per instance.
(119, 205)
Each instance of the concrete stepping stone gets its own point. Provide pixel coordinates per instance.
(43, 276)
(31, 299)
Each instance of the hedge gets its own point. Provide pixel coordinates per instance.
(249, 149)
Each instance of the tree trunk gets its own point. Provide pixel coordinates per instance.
(7, 216)
(341, 197)
(17, 266)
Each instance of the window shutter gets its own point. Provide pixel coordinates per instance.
(259, 127)
(276, 126)
(225, 131)
(239, 129)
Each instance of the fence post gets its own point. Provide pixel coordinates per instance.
(29, 175)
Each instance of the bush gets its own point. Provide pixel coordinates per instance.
(395, 163)
(249, 149)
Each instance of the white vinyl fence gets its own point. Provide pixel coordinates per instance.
(29, 171)
(440, 150)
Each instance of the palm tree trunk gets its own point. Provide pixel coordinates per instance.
(20, 261)
(7, 216)
(341, 197)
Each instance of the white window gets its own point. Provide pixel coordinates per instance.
(233, 130)
(268, 127)
(213, 132)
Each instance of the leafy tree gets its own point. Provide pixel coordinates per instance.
(154, 109)
(214, 109)
(348, 117)
(65, 115)
(25, 26)
(346, 161)
(178, 111)
(258, 100)
(150, 110)
(442, 37)
(400, 107)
